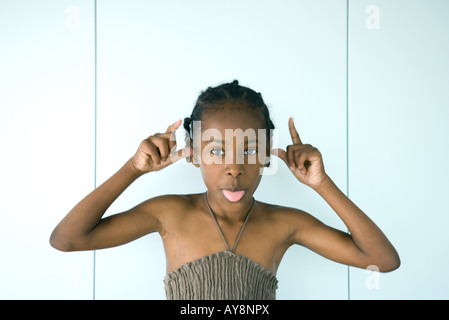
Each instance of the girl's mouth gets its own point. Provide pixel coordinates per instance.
(233, 195)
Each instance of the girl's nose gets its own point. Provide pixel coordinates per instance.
(234, 171)
(234, 164)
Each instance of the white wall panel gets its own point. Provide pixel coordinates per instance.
(46, 143)
(398, 129)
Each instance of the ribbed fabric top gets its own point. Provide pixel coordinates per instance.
(221, 276)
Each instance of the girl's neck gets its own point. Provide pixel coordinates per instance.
(231, 212)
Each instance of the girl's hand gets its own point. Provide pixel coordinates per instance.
(304, 160)
(158, 151)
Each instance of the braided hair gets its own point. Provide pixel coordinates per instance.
(229, 92)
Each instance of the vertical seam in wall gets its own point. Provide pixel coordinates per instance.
(347, 124)
(95, 137)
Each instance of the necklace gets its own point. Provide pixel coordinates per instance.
(219, 229)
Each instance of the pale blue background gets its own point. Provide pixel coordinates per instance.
(80, 88)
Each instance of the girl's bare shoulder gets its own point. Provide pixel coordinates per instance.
(172, 204)
(274, 210)
(293, 217)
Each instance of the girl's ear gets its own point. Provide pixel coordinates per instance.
(268, 156)
(192, 159)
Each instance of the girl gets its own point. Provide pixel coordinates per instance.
(223, 244)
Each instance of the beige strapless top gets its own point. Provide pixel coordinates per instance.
(221, 276)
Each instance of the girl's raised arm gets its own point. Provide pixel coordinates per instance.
(83, 227)
(365, 245)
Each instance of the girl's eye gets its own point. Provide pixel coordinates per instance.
(251, 152)
(220, 152)
(217, 151)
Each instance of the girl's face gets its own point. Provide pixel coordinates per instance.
(233, 152)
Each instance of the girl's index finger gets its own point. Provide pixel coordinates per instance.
(293, 132)
(173, 127)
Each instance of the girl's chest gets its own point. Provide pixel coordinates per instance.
(262, 243)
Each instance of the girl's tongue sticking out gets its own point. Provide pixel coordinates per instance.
(233, 196)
